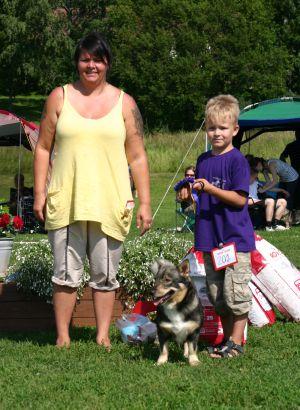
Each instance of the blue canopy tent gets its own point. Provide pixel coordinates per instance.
(279, 114)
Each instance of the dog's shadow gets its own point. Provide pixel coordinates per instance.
(150, 351)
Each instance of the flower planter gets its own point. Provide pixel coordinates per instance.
(19, 312)
(6, 245)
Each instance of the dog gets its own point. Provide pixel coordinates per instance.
(179, 310)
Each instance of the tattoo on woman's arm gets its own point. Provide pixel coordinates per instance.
(44, 111)
(138, 121)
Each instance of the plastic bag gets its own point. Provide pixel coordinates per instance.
(136, 328)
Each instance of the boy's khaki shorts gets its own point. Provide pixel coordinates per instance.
(228, 289)
(71, 245)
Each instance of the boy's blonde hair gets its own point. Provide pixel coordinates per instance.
(221, 107)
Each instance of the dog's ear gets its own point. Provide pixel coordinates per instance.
(154, 267)
(184, 268)
(159, 263)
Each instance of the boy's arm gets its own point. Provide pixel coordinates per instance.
(234, 198)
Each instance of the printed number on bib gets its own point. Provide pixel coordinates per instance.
(225, 256)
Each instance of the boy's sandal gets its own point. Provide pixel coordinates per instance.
(215, 349)
(230, 349)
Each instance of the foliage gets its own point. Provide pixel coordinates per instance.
(35, 51)
(10, 225)
(171, 55)
(134, 273)
(33, 262)
(33, 265)
(243, 56)
(287, 23)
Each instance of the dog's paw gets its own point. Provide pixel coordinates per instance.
(186, 350)
(161, 360)
(194, 361)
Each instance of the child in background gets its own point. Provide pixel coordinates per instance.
(222, 180)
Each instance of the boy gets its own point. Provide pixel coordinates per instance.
(223, 229)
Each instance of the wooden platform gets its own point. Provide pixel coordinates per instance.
(21, 313)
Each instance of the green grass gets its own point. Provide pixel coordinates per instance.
(34, 374)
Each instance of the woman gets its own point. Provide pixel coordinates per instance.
(280, 172)
(95, 130)
(274, 208)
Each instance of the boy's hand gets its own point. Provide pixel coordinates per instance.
(202, 184)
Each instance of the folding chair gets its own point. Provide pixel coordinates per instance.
(187, 217)
(27, 214)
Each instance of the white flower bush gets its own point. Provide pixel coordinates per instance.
(33, 263)
(134, 273)
(33, 268)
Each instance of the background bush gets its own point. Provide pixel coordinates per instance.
(33, 262)
(171, 55)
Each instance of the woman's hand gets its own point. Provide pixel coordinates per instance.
(144, 218)
(184, 194)
(39, 207)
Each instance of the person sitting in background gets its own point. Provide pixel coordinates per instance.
(292, 150)
(187, 205)
(281, 173)
(267, 203)
(18, 193)
(255, 203)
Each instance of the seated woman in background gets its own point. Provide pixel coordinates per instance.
(187, 206)
(266, 206)
(281, 173)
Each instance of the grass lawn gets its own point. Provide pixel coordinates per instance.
(34, 374)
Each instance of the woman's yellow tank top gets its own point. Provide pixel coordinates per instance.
(90, 178)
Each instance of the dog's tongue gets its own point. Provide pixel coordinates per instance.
(163, 299)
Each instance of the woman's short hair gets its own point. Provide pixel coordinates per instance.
(190, 168)
(94, 43)
(222, 106)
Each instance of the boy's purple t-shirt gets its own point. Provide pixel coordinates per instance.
(217, 222)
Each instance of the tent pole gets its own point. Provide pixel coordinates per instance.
(19, 208)
(178, 169)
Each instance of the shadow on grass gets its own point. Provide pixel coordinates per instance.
(42, 338)
(150, 351)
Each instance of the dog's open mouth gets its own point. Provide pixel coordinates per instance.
(164, 298)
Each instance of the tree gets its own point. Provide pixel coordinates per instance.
(243, 57)
(157, 51)
(35, 50)
(287, 25)
(173, 55)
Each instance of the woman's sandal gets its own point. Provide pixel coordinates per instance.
(229, 349)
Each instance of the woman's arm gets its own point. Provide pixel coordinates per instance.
(271, 182)
(137, 159)
(43, 149)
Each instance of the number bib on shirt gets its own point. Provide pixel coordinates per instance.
(224, 256)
